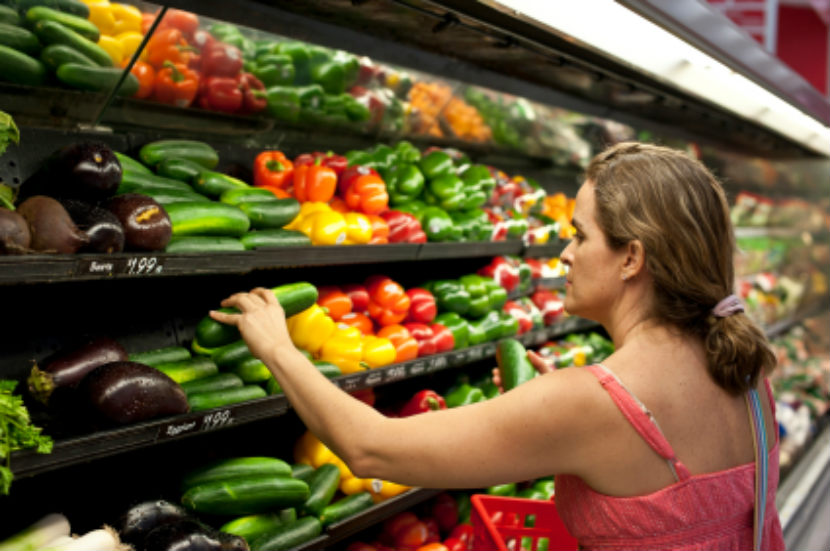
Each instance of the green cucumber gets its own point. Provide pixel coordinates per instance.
(328, 369)
(212, 183)
(9, 15)
(52, 32)
(55, 55)
(151, 154)
(274, 239)
(270, 214)
(236, 467)
(224, 398)
(189, 370)
(220, 381)
(346, 507)
(251, 194)
(245, 496)
(293, 297)
(251, 527)
(321, 487)
(200, 350)
(290, 535)
(273, 387)
(167, 196)
(97, 79)
(207, 218)
(128, 164)
(138, 182)
(232, 354)
(303, 471)
(22, 40)
(252, 370)
(19, 68)
(80, 25)
(166, 354)
(183, 170)
(75, 7)
(202, 243)
(514, 366)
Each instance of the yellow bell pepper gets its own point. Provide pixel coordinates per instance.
(112, 46)
(345, 472)
(127, 18)
(306, 209)
(378, 351)
(310, 451)
(130, 42)
(311, 328)
(358, 228)
(352, 485)
(100, 14)
(324, 227)
(344, 348)
(382, 490)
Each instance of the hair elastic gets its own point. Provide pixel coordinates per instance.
(728, 306)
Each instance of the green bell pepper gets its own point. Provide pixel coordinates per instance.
(491, 326)
(496, 293)
(330, 75)
(350, 64)
(274, 70)
(458, 326)
(265, 47)
(438, 225)
(546, 486)
(450, 295)
(312, 96)
(436, 163)
(478, 186)
(334, 110)
(508, 325)
(479, 300)
(283, 102)
(477, 334)
(381, 157)
(474, 224)
(406, 152)
(446, 191)
(503, 490)
(462, 395)
(300, 57)
(404, 182)
(355, 110)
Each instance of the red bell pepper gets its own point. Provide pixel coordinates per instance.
(422, 307)
(550, 304)
(444, 509)
(433, 534)
(220, 94)
(338, 163)
(536, 267)
(366, 193)
(464, 533)
(359, 296)
(406, 347)
(339, 205)
(425, 337)
(442, 337)
(403, 227)
(503, 271)
(272, 168)
(221, 60)
(365, 395)
(515, 309)
(314, 182)
(185, 21)
(359, 320)
(202, 40)
(423, 401)
(405, 531)
(176, 85)
(388, 303)
(380, 230)
(253, 94)
(333, 299)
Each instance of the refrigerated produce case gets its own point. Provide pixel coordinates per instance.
(461, 75)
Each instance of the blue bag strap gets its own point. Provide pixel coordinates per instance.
(759, 434)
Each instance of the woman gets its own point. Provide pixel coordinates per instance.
(652, 261)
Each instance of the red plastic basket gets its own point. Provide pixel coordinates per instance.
(514, 524)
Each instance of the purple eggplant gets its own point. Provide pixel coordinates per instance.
(141, 519)
(126, 392)
(68, 366)
(103, 230)
(89, 171)
(147, 227)
(191, 535)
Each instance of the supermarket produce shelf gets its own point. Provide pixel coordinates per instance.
(105, 443)
(42, 268)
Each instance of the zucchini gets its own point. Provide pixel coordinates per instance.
(138, 182)
(184, 170)
(207, 218)
(245, 496)
(224, 398)
(220, 381)
(212, 183)
(22, 40)
(189, 370)
(80, 25)
(346, 507)
(162, 355)
(293, 297)
(19, 68)
(274, 239)
(167, 196)
(9, 15)
(252, 370)
(97, 79)
(513, 364)
(251, 527)
(290, 535)
(322, 486)
(151, 154)
(251, 194)
(52, 32)
(55, 55)
(202, 243)
(270, 214)
(231, 355)
(75, 7)
(128, 164)
(303, 471)
(236, 467)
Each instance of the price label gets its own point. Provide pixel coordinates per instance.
(489, 349)
(218, 419)
(438, 363)
(418, 368)
(143, 265)
(209, 421)
(351, 383)
(459, 357)
(394, 373)
(108, 267)
(475, 353)
(373, 378)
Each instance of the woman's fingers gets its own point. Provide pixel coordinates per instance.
(541, 364)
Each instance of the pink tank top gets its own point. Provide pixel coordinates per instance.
(712, 511)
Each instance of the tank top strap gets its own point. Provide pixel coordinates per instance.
(640, 418)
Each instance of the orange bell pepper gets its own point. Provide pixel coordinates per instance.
(272, 168)
(168, 45)
(334, 300)
(314, 183)
(185, 21)
(146, 75)
(339, 205)
(176, 84)
(279, 192)
(380, 230)
(406, 347)
(388, 303)
(366, 193)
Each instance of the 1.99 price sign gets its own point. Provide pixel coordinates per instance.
(131, 266)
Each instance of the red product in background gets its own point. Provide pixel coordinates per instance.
(337, 163)
(549, 303)
(422, 402)
(365, 395)
(333, 299)
(220, 60)
(444, 510)
(185, 21)
(536, 267)
(220, 93)
(404, 532)
(442, 337)
(388, 303)
(425, 337)
(359, 296)
(422, 307)
(503, 271)
(253, 94)
(403, 227)
(380, 230)
(517, 311)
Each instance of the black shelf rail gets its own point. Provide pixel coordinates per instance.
(106, 443)
(42, 268)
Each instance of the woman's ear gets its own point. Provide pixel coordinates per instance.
(635, 259)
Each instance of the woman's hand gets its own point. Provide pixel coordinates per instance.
(261, 320)
(541, 364)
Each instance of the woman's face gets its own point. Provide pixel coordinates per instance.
(594, 277)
